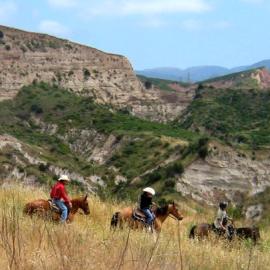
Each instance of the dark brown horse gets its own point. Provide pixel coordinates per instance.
(203, 230)
(161, 213)
(43, 208)
(252, 233)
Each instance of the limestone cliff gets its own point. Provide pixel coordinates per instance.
(26, 57)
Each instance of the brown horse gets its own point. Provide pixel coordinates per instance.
(161, 213)
(42, 208)
(201, 230)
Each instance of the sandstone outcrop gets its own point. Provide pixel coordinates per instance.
(225, 175)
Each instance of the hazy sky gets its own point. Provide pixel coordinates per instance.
(154, 33)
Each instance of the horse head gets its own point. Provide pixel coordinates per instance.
(83, 204)
(174, 211)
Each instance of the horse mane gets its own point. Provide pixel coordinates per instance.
(77, 200)
(162, 210)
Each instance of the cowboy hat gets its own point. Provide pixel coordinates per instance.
(64, 178)
(149, 190)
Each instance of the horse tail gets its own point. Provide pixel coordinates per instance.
(27, 210)
(192, 232)
(115, 219)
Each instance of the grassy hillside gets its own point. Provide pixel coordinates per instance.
(236, 116)
(164, 85)
(144, 145)
(88, 243)
(240, 79)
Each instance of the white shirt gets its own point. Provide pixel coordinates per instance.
(221, 214)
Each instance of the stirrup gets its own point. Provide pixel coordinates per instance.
(149, 228)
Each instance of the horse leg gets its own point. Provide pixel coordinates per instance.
(192, 232)
(156, 226)
(115, 220)
(28, 210)
(70, 218)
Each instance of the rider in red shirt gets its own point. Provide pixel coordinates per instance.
(60, 198)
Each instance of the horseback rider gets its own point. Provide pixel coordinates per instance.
(146, 203)
(221, 221)
(60, 198)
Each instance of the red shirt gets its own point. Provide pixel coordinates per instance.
(59, 192)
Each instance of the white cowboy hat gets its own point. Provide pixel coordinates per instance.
(149, 190)
(64, 178)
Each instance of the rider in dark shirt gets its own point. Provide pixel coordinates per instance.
(145, 204)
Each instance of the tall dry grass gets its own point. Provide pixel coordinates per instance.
(88, 243)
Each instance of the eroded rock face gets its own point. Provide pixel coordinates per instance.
(21, 155)
(224, 175)
(254, 212)
(27, 57)
(92, 145)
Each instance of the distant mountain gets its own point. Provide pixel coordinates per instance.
(263, 63)
(165, 73)
(199, 73)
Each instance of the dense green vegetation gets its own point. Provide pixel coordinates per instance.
(235, 116)
(69, 110)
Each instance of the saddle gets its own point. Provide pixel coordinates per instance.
(229, 233)
(137, 214)
(54, 207)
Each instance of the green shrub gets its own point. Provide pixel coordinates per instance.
(70, 73)
(148, 85)
(86, 74)
(203, 152)
(169, 183)
(173, 169)
(154, 177)
(235, 212)
(43, 167)
(203, 142)
(7, 47)
(36, 109)
(23, 115)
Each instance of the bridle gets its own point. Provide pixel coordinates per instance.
(173, 217)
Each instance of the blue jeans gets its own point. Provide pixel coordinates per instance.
(64, 210)
(149, 216)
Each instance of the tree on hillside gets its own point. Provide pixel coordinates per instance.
(148, 85)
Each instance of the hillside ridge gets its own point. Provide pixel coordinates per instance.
(27, 57)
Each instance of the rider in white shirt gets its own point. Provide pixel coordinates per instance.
(222, 218)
